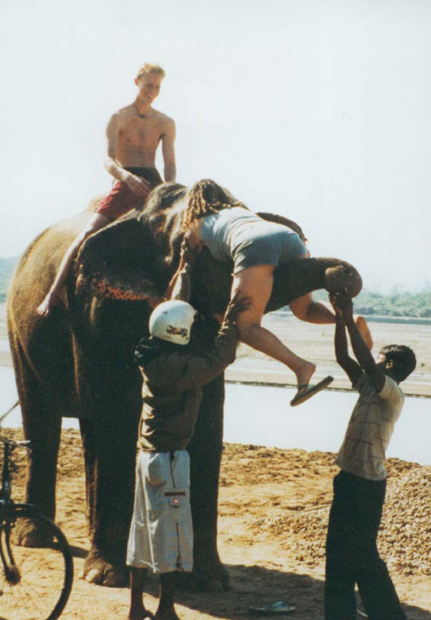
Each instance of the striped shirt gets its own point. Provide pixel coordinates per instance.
(370, 428)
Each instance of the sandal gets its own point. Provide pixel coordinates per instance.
(275, 609)
(306, 391)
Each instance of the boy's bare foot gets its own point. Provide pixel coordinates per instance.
(362, 325)
(48, 303)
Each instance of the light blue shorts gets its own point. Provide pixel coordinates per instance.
(265, 244)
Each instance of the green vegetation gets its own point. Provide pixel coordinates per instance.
(397, 303)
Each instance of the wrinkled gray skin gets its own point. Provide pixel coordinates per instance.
(78, 362)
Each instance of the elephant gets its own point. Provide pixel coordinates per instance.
(78, 362)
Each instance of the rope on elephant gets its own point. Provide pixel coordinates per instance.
(9, 411)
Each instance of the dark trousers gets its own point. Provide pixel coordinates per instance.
(351, 553)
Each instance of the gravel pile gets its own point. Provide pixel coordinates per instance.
(405, 533)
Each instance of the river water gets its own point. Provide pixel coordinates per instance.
(262, 416)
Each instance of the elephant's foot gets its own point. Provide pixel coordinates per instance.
(99, 570)
(27, 533)
(206, 579)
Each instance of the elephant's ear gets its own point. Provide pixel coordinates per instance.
(279, 219)
(121, 262)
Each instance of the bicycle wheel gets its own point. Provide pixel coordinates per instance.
(35, 582)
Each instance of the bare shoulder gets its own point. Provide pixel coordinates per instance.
(120, 116)
(165, 122)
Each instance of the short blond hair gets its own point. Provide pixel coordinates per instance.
(148, 69)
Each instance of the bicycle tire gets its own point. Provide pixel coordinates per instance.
(40, 579)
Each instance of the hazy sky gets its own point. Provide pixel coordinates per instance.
(315, 109)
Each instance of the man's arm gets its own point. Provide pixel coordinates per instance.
(139, 186)
(168, 150)
(350, 367)
(360, 349)
(186, 373)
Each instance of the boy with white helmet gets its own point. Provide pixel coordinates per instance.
(174, 369)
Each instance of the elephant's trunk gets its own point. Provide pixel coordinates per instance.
(296, 278)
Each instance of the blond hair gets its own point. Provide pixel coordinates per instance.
(148, 69)
(206, 197)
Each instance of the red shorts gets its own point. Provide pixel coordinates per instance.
(121, 199)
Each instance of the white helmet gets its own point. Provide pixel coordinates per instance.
(172, 321)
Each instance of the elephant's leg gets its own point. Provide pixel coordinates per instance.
(89, 447)
(42, 426)
(205, 452)
(110, 455)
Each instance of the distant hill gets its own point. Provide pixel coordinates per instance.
(7, 265)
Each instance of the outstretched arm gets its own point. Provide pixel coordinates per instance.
(192, 371)
(349, 365)
(360, 349)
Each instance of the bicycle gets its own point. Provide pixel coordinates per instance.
(35, 582)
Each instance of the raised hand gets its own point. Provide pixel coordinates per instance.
(138, 185)
(342, 304)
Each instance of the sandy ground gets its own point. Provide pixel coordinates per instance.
(273, 504)
(259, 486)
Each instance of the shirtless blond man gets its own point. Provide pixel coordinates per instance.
(133, 134)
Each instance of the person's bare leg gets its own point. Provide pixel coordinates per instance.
(138, 577)
(166, 609)
(306, 309)
(96, 223)
(256, 283)
(320, 313)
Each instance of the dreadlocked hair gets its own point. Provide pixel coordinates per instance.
(206, 197)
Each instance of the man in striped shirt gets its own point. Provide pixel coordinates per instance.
(352, 556)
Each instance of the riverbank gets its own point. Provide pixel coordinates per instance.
(313, 342)
(316, 343)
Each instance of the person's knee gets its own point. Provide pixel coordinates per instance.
(247, 331)
(301, 311)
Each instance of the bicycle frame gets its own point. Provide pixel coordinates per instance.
(7, 511)
(19, 568)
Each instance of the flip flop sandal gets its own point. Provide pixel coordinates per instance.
(275, 609)
(305, 391)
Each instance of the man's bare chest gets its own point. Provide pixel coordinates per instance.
(140, 131)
